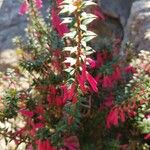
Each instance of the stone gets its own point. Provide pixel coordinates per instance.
(11, 25)
(107, 30)
(137, 30)
(116, 9)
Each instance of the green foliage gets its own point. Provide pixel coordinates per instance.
(11, 99)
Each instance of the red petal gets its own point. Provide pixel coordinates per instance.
(92, 82)
(97, 11)
(130, 69)
(26, 113)
(40, 145)
(99, 61)
(56, 22)
(91, 62)
(83, 75)
(72, 143)
(39, 4)
(59, 101)
(147, 137)
(122, 116)
(71, 91)
(38, 125)
(65, 94)
(81, 84)
(23, 8)
(108, 102)
(112, 118)
(74, 100)
(82, 79)
(116, 74)
(58, 2)
(107, 83)
(49, 145)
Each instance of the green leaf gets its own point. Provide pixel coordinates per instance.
(67, 9)
(70, 60)
(87, 18)
(70, 49)
(88, 3)
(83, 42)
(88, 38)
(89, 50)
(83, 57)
(70, 70)
(67, 2)
(67, 20)
(70, 34)
(89, 35)
(83, 27)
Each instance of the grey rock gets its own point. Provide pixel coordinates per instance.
(137, 30)
(11, 23)
(117, 9)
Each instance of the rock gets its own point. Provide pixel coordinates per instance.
(11, 23)
(107, 30)
(116, 13)
(137, 30)
(116, 8)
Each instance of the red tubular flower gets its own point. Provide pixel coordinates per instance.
(116, 74)
(20, 131)
(82, 79)
(91, 62)
(71, 91)
(39, 109)
(130, 69)
(81, 83)
(39, 4)
(51, 94)
(85, 76)
(105, 55)
(23, 8)
(59, 101)
(147, 116)
(26, 113)
(71, 143)
(99, 60)
(30, 147)
(44, 145)
(131, 113)
(64, 93)
(108, 102)
(56, 22)
(56, 66)
(49, 99)
(122, 115)
(112, 118)
(97, 12)
(74, 99)
(58, 2)
(38, 125)
(147, 137)
(107, 83)
(92, 82)
(40, 145)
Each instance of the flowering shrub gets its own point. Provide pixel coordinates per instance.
(72, 88)
(135, 109)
